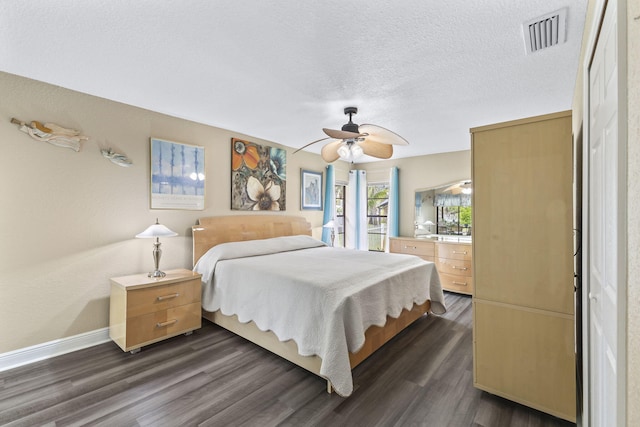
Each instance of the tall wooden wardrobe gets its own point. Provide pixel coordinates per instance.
(523, 305)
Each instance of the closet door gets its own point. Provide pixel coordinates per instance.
(523, 262)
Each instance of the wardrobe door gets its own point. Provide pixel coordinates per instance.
(522, 203)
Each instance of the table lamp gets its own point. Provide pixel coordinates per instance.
(332, 225)
(156, 230)
(428, 223)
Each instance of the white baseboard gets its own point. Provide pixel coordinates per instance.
(23, 356)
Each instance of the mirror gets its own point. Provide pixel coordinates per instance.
(444, 212)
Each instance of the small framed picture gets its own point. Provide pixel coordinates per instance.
(310, 190)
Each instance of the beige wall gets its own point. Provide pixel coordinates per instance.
(419, 173)
(631, 25)
(69, 219)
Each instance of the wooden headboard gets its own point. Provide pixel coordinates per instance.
(214, 230)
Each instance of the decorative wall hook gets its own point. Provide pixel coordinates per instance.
(52, 133)
(117, 158)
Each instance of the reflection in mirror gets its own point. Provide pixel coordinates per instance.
(443, 211)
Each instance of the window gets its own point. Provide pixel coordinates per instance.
(340, 191)
(377, 208)
(453, 220)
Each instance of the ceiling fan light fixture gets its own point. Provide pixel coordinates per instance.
(349, 151)
(344, 152)
(356, 151)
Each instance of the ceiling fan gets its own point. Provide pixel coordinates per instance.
(463, 187)
(353, 140)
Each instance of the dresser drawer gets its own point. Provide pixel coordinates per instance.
(413, 247)
(155, 326)
(157, 298)
(461, 284)
(454, 266)
(453, 251)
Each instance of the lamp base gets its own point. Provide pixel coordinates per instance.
(157, 253)
(156, 273)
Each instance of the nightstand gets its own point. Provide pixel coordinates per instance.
(144, 310)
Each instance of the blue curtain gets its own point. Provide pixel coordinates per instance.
(394, 206)
(329, 204)
(446, 199)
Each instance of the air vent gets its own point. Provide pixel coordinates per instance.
(545, 31)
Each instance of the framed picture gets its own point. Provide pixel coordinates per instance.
(258, 177)
(177, 175)
(310, 190)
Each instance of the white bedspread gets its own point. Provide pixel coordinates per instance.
(323, 298)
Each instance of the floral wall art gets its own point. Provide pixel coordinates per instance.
(258, 177)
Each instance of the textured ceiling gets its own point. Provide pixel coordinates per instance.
(282, 70)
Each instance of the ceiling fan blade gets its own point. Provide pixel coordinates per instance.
(451, 188)
(311, 143)
(376, 149)
(379, 134)
(457, 187)
(341, 134)
(330, 151)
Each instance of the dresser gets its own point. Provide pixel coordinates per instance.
(453, 260)
(454, 265)
(144, 310)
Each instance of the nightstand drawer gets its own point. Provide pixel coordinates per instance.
(153, 327)
(454, 266)
(158, 298)
(461, 284)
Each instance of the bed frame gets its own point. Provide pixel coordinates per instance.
(212, 231)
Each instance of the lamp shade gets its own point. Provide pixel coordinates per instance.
(330, 224)
(356, 151)
(350, 151)
(156, 230)
(428, 222)
(344, 152)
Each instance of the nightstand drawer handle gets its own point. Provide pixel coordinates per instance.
(167, 323)
(459, 268)
(461, 284)
(410, 247)
(164, 297)
(458, 252)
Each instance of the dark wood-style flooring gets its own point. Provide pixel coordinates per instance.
(423, 377)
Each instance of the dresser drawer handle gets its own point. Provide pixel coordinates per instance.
(164, 297)
(410, 247)
(458, 252)
(459, 283)
(167, 323)
(459, 268)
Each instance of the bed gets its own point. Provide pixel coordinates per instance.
(267, 280)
